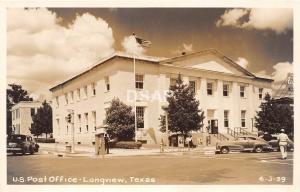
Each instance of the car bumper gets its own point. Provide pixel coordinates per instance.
(11, 150)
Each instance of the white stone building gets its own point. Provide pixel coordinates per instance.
(227, 92)
(22, 113)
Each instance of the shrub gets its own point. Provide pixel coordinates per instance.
(45, 140)
(128, 145)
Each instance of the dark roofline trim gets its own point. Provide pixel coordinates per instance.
(96, 65)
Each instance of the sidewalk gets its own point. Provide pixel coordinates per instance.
(89, 151)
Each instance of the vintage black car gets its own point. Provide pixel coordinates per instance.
(244, 143)
(21, 144)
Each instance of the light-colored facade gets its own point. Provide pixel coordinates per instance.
(226, 91)
(22, 114)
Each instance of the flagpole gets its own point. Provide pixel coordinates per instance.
(135, 122)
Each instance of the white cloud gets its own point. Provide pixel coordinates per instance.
(278, 20)
(186, 48)
(131, 46)
(231, 17)
(42, 52)
(281, 71)
(242, 62)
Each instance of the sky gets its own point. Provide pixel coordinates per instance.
(46, 46)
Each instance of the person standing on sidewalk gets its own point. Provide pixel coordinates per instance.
(106, 143)
(283, 141)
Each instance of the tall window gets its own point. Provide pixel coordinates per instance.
(79, 122)
(139, 81)
(85, 89)
(78, 94)
(94, 88)
(226, 119)
(209, 88)
(72, 96)
(243, 118)
(17, 113)
(260, 93)
(58, 126)
(193, 86)
(225, 90)
(66, 98)
(86, 115)
(140, 117)
(57, 101)
(242, 91)
(32, 111)
(94, 119)
(107, 84)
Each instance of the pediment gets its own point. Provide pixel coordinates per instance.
(210, 61)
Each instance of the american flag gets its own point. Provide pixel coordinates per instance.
(142, 42)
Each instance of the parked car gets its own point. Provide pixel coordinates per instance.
(244, 143)
(275, 145)
(21, 144)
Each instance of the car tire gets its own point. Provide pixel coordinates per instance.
(24, 151)
(224, 150)
(31, 151)
(258, 149)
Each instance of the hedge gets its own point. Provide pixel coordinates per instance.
(45, 140)
(128, 145)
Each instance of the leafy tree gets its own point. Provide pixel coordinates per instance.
(183, 110)
(14, 94)
(42, 120)
(120, 120)
(274, 116)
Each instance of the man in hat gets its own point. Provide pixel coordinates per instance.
(283, 140)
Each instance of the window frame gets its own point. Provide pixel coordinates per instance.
(138, 114)
(226, 118)
(194, 86)
(242, 91)
(209, 89)
(243, 118)
(226, 91)
(139, 80)
(260, 93)
(107, 83)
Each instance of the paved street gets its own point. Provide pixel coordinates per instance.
(176, 168)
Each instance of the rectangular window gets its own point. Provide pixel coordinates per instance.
(57, 101)
(79, 122)
(78, 94)
(107, 85)
(260, 93)
(94, 88)
(58, 126)
(225, 90)
(192, 86)
(32, 111)
(209, 88)
(140, 117)
(86, 116)
(242, 91)
(94, 119)
(72, 96)
(243, 118)
(173, 81)
(139, 81)
(85, 89)
(226, 119)
(17, 113)
(66, 98)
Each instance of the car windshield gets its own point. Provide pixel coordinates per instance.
(17, 138)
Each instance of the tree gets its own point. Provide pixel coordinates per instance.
(42, 120)
(14, 94)
(120, 120)
(274, 116)
(183, 110)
